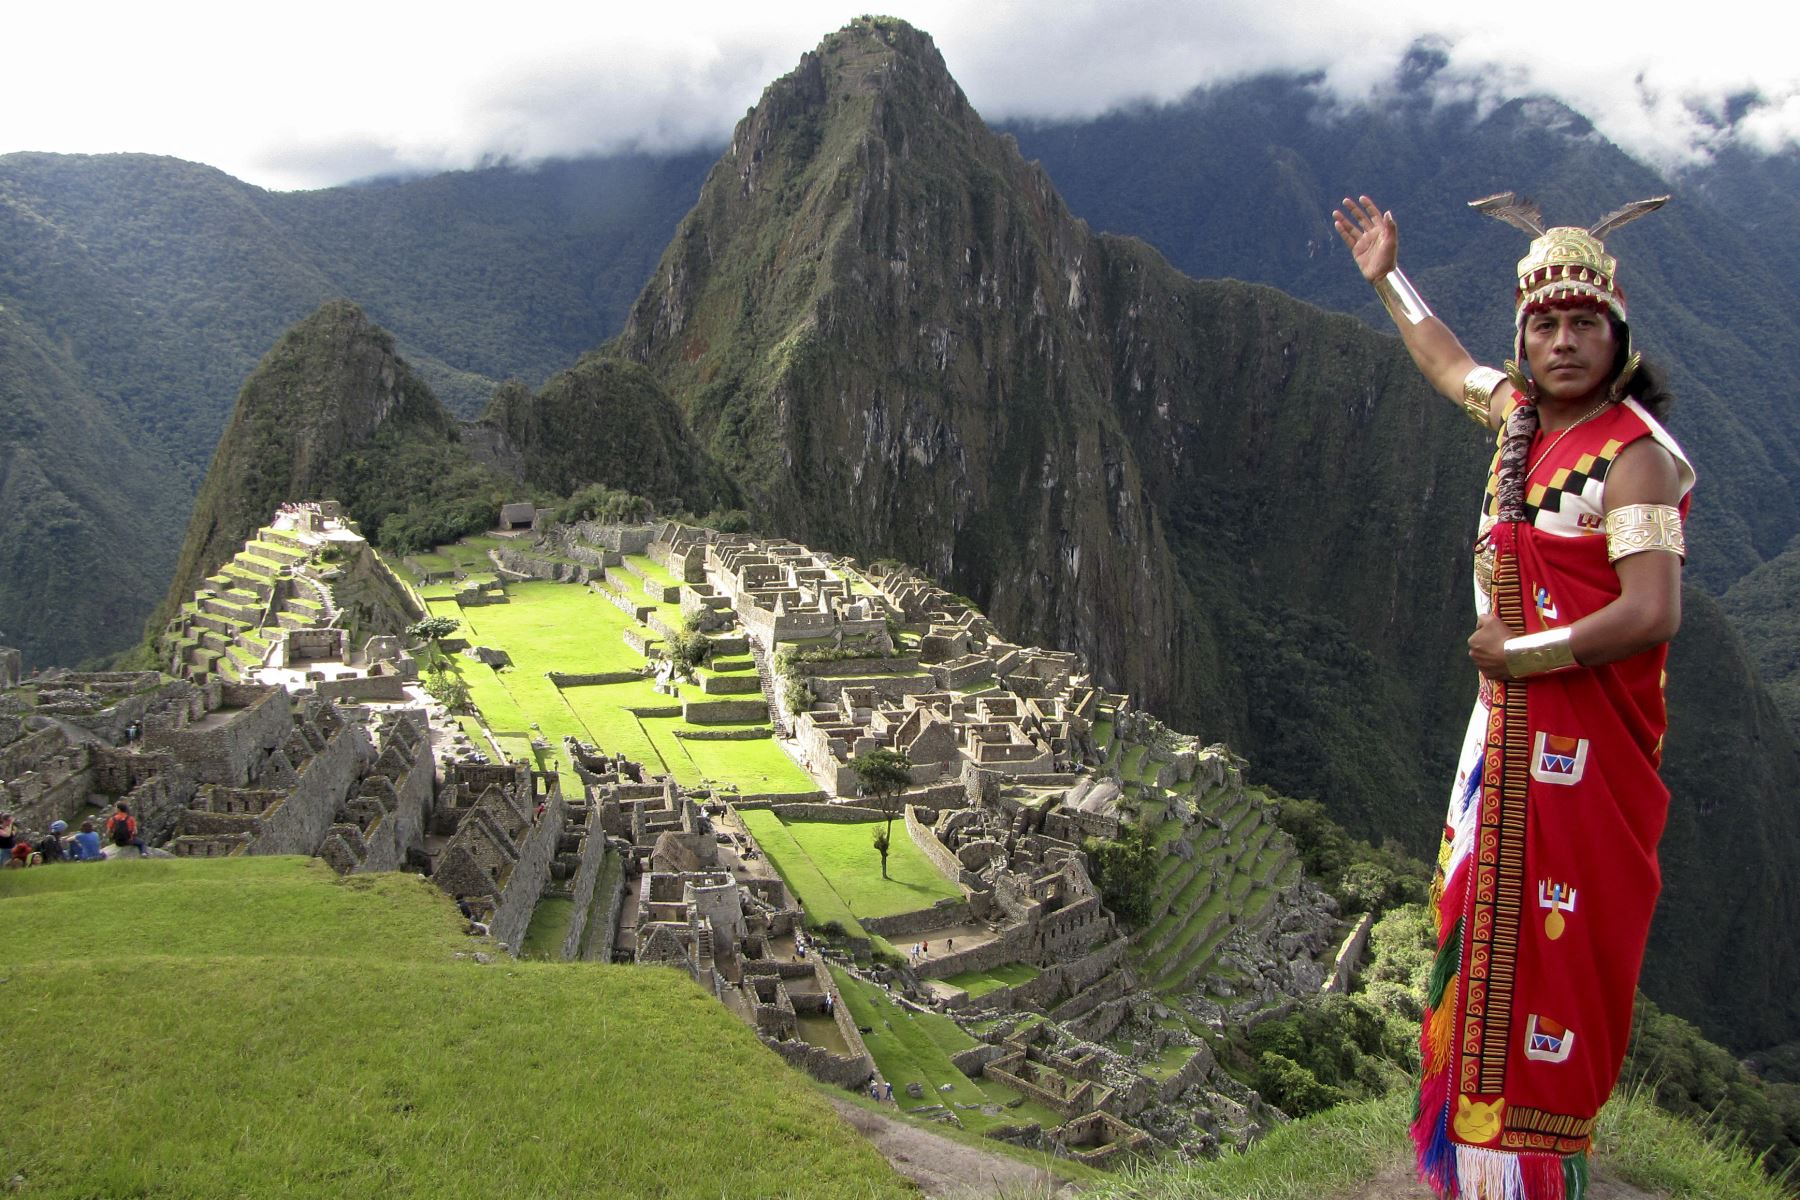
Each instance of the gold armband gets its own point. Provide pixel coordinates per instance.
(1634, 528)
(1539, 653)
(1403, 301)
(1478, 394)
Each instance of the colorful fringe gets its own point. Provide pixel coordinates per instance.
(1479, 1174)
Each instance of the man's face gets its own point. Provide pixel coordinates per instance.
(1570, 350)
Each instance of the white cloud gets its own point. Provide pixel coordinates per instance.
(291, 97)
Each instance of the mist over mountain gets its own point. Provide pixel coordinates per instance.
(1240, 181)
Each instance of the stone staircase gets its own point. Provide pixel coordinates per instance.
(765, 672)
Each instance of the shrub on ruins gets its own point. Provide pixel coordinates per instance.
(596, 502)
(421, 526)
(798, 697)
(449, 689)
(882, 775)
(1125, 870)
(1346, 1045)
(1292, 1088)
(726, 520)
(689, 648)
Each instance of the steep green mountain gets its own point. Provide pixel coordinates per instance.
(605, 420)
(159, 283)
(331, 412)
(897, 339)
(1765, 607)
(1711, 278)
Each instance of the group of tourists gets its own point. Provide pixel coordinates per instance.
(56, 844)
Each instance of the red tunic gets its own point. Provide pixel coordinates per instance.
(1548, 866)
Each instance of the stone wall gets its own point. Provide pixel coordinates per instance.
(362, 688)
(563, 679)
(299, 823)
(1013, 945)
(228, 745)
(1343, 968)
(843, 814)
(720, 712)
(939, 854)
(839, 1070)
(610, 902)
(945, 914)
(581, 889)
(905, 664)
(512, 916)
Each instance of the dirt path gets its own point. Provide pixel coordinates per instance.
(946, 1169)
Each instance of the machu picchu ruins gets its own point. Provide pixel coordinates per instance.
(675, 796)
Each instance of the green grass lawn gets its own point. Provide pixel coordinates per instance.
(251, 1027)
(911, 1047)
(554, 627)
(755, 766)
(842, 858)
(549, 926)
(822, 903)
(980, 983)
(548, 627)
(1339, 1151)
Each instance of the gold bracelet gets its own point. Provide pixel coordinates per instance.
(1402, 299)
(1478, 394)
(1539, 653)
(1634, 528)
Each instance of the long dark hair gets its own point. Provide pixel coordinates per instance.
(1646, 385)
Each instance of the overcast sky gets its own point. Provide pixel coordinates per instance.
(293, 96)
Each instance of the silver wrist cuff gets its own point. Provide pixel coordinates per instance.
(1403, 301)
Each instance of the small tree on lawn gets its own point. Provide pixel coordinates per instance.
(430, 631)
(883, 774)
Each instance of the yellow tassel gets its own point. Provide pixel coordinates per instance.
(1443, 1025)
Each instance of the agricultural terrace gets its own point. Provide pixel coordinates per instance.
(835, 872)
(332, 1037)
(569, 629)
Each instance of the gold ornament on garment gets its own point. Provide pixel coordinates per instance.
(1635, 528)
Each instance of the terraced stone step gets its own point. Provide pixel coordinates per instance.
(231, 610)
(274, 552)
(254, 565)
(1205, 920)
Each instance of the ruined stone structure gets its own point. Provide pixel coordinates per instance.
(507, 822)
(219, 768)
(306, 588)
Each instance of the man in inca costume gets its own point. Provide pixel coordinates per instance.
(1547, 871)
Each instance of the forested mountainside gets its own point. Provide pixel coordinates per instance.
(157, 285)
(1712, 279)
(894, 335)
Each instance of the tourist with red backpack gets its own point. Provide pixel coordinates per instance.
(122, 830)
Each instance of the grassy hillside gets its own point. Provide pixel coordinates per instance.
(246, 1027)
(1361, 1151)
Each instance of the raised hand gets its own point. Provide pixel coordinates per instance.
(1372, 235)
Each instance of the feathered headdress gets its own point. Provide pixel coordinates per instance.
(1566, 263)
